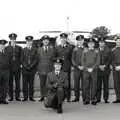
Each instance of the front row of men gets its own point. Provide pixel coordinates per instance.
(91, 66)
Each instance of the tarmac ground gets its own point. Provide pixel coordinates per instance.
(71, 111)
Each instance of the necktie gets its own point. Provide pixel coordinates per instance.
(46, 48)
(57, 74)
(3, 51)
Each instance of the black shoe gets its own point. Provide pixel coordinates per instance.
(116, 101)
(25, 99)
(11, 99)
(1, 101)
(31, 99)
(60, 110)
(68, 100)
(106, 101)
(83, 100)
(18, 99)
(41, 99)
(98, 101)
(75, 100)
(86, 102)
(94, 103)
(54, 107)
(4, 102)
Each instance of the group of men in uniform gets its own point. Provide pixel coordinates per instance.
(53, 64)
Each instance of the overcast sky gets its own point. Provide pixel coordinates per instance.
(28, 17)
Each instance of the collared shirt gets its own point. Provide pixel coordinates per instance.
(101, 48)
(29, 47)
(2, 50)
(57, 73)
(45, 48)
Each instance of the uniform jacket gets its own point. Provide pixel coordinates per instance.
(5, 58)
(66, 54)
(15, 54)
(105, 59)
(29, 60)
(76, 57)
(90, 59)
(116, 57)
(52, 79)
(45, 64)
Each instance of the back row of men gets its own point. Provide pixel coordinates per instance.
(91, 66)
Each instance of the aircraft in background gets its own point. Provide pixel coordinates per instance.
(57, 32)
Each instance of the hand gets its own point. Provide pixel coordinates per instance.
(55, 85)
(72, 68)
(80, 67)
(111, 67)
(102, 67)
(90, 70)
(21, 66)
(117, 68)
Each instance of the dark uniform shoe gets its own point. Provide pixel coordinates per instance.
(4, 102)
(75, 100)
(60, 110)
(98, 101)
(106, 101)
(94, 103)
(11, 99)
(68, 100)
(0, 101)
(116, 101)
(86, 102)
(54, 107)
(25, 99)
(18, 99)
(31, 99)
(41, 99)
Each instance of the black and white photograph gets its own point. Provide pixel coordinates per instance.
(59, 60)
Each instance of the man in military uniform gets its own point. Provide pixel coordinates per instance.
(116, 69)
(90, 60)
(4, 72)
(103, 71)
(29, 65)
(57, 82)
(15, 69)
(46, 54)
(64, 50)
(78, 69)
